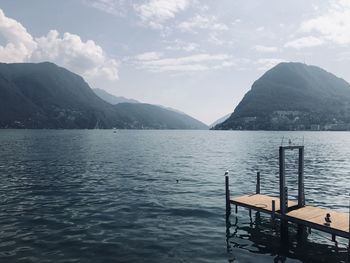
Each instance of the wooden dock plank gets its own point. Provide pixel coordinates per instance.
(308, 215)
(316, 215)
(263, 202)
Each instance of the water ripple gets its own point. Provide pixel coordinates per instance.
(155, 196)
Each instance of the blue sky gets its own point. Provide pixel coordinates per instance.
(199, 57)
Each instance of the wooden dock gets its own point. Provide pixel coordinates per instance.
(310, 216)
(281, 208)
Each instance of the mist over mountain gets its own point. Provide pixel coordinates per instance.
(111, 98)
(220, 120)
(293, 96)
(44, 95)
(142, 115)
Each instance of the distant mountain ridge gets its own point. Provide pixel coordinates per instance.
(293, 96)
(44, 95)
(138, 115)
(222, 119)
(142, 115)
(110, 98)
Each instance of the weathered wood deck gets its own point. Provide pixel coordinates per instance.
(308, 215)
(287, 210)
(259, 202)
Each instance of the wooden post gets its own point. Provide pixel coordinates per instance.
(301, 236)
(284, 232)
(227, 192)
(273, 215)
(349, 231)
(301, 192)
(282, 181)
(286, 199)
(258, 183)
(283, 196)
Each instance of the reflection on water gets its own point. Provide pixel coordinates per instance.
(260, 235)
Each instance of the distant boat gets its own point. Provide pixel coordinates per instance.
(115, 130)
(97, 126)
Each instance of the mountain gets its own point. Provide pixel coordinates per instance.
(116, 100)
(44, 95)
(293, 96)
(171, 109)
(222, 119)
(147, 116)
(111, 98)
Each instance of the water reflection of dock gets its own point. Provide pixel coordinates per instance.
(284, 210)
(267, 239)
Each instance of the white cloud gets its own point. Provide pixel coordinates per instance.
(155, 12)
(149, 56)
(334, 25)
(203, 22)
(268, 63)
(215, 39)
(265, 49)
(182, 45)
(237, 21)
(198, 62)
(85, 58)
(305, 42)
(114, 7)
(20, 44)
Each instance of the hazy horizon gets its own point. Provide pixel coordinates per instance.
(199, 57)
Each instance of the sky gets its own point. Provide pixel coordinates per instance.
(197, 56)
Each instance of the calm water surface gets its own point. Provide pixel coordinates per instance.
(99, 196)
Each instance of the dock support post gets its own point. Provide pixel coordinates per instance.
(301, 235)
(227, 192)
(349, 231)
(273, 215)
(258, 183)
(284, 231)
(282, 181)
(333, 238)
(283, 196)
(301, 192)
(250, 218)
(286, 199)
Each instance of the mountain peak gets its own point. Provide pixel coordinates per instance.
(44, 95)
(297, 70)
(308, 93)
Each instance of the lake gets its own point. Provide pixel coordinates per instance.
(158, 196)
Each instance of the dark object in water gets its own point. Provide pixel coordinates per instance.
(177, 181)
